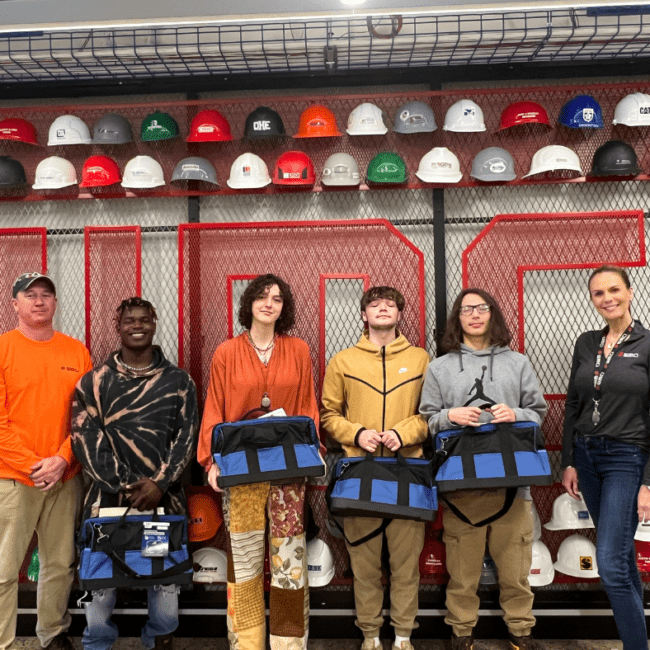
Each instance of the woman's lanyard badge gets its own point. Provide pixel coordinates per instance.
(600, 374)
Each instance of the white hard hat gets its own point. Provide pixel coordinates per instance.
(554, 157)
(577, 557)
(643, 531)
(210, 565)
(320, 563)
(341, 169)
(367, 119)
(68, 129)
(537, 523)
(541, 568)
(633, 110)
(439, 166)
(143, 172)
(53, 173)
(465, 116)
(569, 514)
(489, 574)
(248, 171)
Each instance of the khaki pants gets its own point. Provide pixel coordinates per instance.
(510, 544)
(405, 541)
(53, 515)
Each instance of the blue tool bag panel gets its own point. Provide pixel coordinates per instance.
(391, 487)
(110, 553)
(509, 454)
(266, 449)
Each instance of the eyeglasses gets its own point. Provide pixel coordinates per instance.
(468, 310)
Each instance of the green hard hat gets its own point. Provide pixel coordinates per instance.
(387, 167)
(159, 126)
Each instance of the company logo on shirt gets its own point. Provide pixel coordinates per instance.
(401, 370)
(629, 355)
(69, 369)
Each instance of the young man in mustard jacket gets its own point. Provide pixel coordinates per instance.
(371, 395)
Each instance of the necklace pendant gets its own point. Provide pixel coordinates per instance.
(595, 416)
(266, 401)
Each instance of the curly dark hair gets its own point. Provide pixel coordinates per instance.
(258, 289)
(453, 337)
(377, 293)
(130, 303)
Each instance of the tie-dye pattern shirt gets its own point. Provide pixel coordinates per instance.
(127, 426)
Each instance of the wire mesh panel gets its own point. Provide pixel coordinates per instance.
(300, 253)
(113, 273)
(21, 250)
(512, 244)
(342, 43)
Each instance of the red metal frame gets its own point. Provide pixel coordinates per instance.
(229, 280)
(27, 231)
(88, 231)
(290, 224)
(321, 305)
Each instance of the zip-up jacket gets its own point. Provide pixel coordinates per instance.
(373, 387)
(127, 426)
(624, 393)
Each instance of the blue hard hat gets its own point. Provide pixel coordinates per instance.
(581, 112)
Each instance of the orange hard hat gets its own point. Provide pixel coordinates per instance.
(204, 516)
(317, 122)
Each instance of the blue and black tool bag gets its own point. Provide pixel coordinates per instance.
(392, 487)
(110, 550)
(266, 449)
(508, 454)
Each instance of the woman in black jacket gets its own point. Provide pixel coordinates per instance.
(607, 440)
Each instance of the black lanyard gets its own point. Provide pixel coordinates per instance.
(599, 375)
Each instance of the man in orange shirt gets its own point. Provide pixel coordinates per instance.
(40, 486)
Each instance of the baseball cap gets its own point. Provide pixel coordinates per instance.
(25, 280)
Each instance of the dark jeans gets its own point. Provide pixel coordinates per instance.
(610, 474)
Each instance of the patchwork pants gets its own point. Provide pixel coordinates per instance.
(246, 508)
(509, 540)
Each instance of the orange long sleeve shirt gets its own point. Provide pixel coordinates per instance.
(238, 381)
(37, 381)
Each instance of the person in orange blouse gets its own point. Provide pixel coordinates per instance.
(263, 368)
(40, 485)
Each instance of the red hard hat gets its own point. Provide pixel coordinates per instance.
(317, 122)
(99, 171)
(204, 515)
(433, 557)
(294, 168)
(209, 126)
(13, 128)
(523, 113)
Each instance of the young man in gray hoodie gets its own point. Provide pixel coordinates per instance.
(482, 380)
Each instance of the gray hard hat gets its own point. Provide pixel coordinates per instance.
(195, 168)
(415, 117)
(112, 129)
(493, 164)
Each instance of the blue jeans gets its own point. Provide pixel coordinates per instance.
(610, 474)
(101, 633)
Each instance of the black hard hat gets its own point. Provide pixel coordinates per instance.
(263, 122)
(12, 173)
(615, 158)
